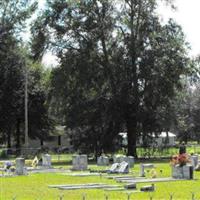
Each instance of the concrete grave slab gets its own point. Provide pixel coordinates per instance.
(117, 176)
(148, 188)
(84, 174)
(154, 180)
(130, 186)
(84, 186)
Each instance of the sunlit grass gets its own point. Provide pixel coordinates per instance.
(35, 186)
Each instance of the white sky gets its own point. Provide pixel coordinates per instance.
(187, 15)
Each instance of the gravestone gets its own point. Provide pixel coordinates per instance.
(121, 158)
(197, 168)
(194, 160)
(182, 172)
(119, 168)
(130, 160)
(123, 167)
(177, 172)
(102, 161)
(46, 160)
(79, 162)
(113, 168)
(143, 166)
(20, 166)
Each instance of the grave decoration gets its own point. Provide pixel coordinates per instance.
(35, 162)
(153, 173)
(180, 159)
(181, 167)
(8, 167)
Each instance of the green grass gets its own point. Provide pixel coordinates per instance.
(35, 187)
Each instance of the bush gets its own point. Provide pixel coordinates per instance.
(3, 154)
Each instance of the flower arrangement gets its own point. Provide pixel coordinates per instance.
(180, 159)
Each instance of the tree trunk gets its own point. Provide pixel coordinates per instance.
(18, 134)
(96, 149)
(9, 138)
(132, 137)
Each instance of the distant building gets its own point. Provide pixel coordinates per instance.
(159, 140)
(59, 139)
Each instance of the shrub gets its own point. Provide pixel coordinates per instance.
(3, 154)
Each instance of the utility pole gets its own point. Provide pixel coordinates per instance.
(26, 106)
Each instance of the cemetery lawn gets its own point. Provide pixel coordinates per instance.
(35, 187)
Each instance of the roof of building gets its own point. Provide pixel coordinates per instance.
(162, 135)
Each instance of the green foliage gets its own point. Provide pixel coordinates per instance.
(120, 68)
(40, 123)
(14, 60)
(3, 154)
(187, 114)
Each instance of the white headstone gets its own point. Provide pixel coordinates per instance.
(114, 168)
(46, 160)
(123, 167)
(79, 162)
(20, 166)
(121, 158)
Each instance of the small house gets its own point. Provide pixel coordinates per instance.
(164, 138)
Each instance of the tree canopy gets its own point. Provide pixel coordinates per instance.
(14, 59)
(119, 67)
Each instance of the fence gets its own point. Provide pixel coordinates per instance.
(142, 152)
(164, 151)
(129, 196)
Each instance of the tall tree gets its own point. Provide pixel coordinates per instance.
(156, 57)
(118, 65)
(13, 15)
(14, 59)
